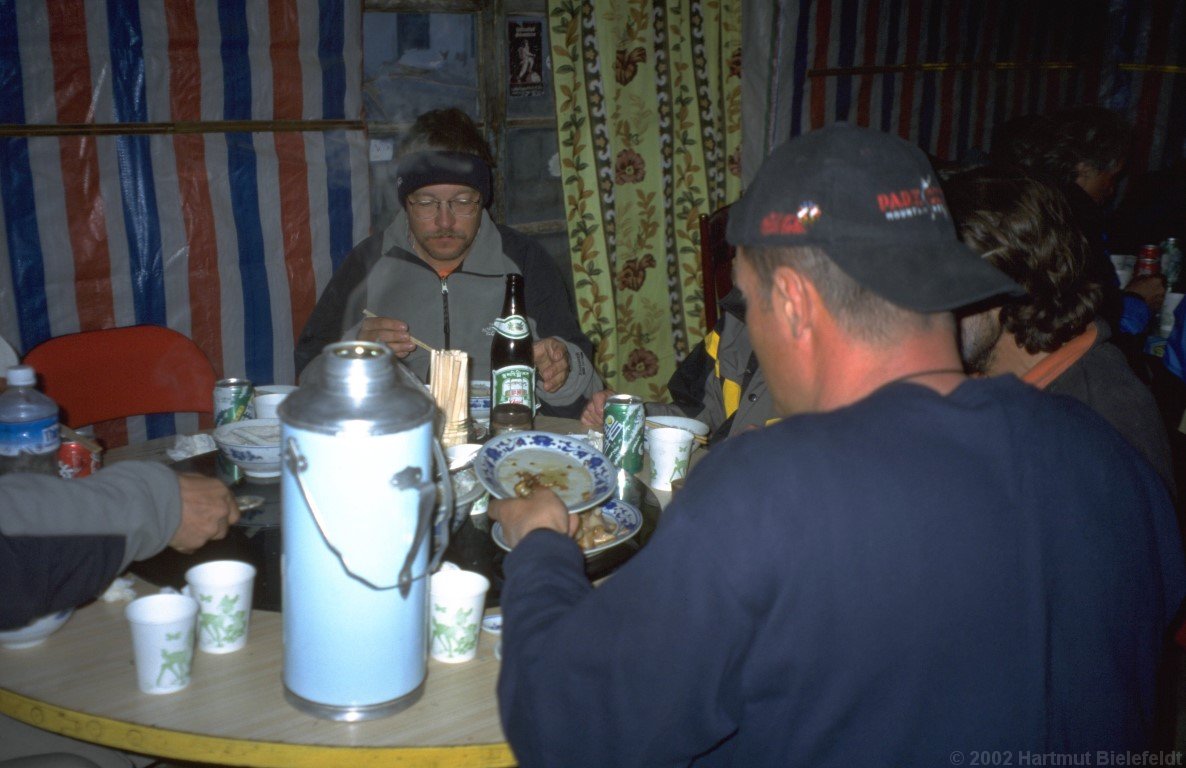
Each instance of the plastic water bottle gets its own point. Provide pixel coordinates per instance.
(1171, 254)
(29, 436)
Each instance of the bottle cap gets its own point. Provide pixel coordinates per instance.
(21, 376)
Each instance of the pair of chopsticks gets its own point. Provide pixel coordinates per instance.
(698, 439)
(416, 341)
(86, 442)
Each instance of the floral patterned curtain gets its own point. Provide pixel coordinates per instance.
(648, 102)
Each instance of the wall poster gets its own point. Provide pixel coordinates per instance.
(526, 65)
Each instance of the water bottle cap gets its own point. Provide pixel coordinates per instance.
(21, 376)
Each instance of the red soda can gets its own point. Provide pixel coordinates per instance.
(1148, 261)
(76, 460)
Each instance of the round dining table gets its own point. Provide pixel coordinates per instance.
(81, 681)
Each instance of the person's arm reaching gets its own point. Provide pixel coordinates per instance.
(62, 541)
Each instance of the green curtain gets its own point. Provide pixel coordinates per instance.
(648, 104)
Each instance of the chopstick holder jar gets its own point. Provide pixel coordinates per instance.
(359, 515)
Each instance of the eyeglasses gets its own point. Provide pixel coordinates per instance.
(428, 208)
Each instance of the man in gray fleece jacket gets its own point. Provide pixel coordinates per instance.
(438, 273)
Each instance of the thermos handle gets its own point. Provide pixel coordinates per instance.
(297, 464)
(443, 513)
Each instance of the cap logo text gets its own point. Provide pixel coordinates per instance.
(924, 200)
(776, 223)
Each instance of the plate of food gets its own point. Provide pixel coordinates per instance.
(516, 463)
(602, 527)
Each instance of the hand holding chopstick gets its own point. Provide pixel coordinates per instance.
(380, 333)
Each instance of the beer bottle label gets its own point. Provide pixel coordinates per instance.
(514, 384)
(512, 326)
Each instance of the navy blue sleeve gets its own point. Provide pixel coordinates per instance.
(44, 574)
(608, 676)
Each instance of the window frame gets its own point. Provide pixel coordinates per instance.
(495, 124)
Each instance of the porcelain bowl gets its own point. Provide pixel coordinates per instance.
(253, 445)
(35, 631)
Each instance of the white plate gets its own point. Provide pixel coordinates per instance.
(579, 474)
(628, 518)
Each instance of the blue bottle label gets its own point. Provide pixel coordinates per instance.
(40, 436)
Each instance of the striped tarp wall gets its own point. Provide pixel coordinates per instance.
(192, 164)
(943, 73)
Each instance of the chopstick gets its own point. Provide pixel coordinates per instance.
(86, 442)
(698, 439)
(416, 341)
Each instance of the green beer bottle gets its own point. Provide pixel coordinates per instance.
(512, 364)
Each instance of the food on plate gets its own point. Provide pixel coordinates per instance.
(595, 529)
(556, 478)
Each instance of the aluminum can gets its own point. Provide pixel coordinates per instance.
(1148, 261)
(623, 431)
(233, 401)
(76, 460)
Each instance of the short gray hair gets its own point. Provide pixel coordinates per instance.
(859, 312)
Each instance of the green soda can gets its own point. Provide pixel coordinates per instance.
(233, 401)
(623, 432)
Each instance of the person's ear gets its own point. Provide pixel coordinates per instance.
(792, 300)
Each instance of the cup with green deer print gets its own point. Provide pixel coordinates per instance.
(456, 601)
(223, 591)
(162, 641)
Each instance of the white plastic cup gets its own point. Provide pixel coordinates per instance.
(669, 449)
(222, 589)
(456, 601)
(1122, 260)
(274, 389)
(162, 641)
(266, 404)
(1167, 312)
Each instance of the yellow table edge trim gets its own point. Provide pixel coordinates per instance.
(164, 743)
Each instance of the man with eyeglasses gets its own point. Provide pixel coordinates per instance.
(438, 273)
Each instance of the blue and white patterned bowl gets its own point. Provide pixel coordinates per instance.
(253, 445)
(626, 517)
(579, 474)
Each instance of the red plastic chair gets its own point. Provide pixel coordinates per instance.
(96, 376)
(716, 263)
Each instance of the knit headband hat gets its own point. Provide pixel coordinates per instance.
(433, 166)
(873, 202)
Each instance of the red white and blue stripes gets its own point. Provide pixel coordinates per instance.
(226, 233)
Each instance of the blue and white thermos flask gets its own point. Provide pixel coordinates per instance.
(358, 502)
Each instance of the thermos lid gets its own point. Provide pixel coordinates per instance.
(360, 387)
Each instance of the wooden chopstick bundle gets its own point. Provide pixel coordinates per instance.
(449, 385)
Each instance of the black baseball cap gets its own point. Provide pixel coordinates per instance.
(872, 201)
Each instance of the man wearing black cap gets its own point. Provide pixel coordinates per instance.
(911, 568)
(438, 273)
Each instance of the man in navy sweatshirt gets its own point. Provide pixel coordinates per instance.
(911, 568)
